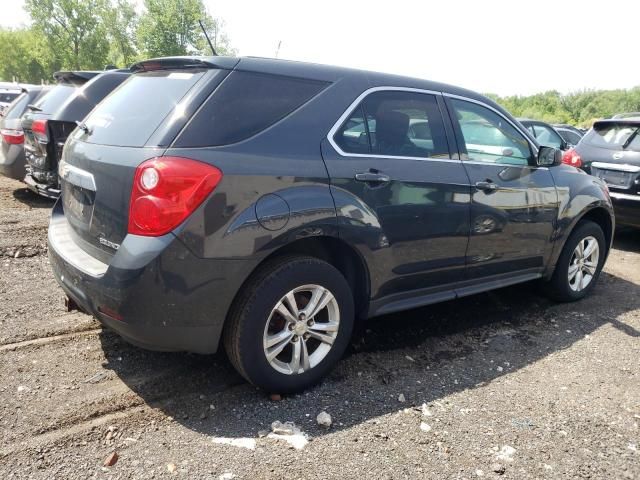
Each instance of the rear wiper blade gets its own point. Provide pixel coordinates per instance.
(83, 126)
(34, 108)
(630, 139)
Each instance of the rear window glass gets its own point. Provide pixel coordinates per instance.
(615, 136)
(56, 97)
(132, 112)
(8, 97)
(246, 103)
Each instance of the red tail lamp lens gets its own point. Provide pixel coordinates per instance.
(571, 157)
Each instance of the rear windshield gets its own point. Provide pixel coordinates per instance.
(615, 136)
(8, 97)
(132, 112)
(17, 108)
(244, 104)
(55, 98)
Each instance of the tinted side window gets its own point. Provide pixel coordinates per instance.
(244, 104)
(488, 137)
(55, 98)
(401, 124)
(571, 137)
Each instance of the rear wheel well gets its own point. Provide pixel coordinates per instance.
(339, 254)
(601, 217)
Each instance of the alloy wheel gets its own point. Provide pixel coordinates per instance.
(584, 264)
(301, 329)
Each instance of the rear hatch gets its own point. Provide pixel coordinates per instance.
(611, 151)
(136, 123)
(40, 150)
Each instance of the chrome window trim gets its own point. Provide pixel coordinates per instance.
(357, 102)
(371, 90)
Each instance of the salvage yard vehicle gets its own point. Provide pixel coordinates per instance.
(8, 93)
(269, 205)
(48, 124)
(12, 161)
(571, 135)
(610, 151)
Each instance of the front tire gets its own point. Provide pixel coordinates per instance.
(291, 324)
(579, 265)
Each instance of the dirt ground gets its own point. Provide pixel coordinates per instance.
(499, 385)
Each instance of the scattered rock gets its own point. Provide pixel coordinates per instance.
(411, 359)
(212, 407)
(203, 416)
(202, 397)
(499, 369)
(324, 419)
(227, 476)
(506, 453)
(111, 460)
(98, 377)
(425, 427)
(279, 428)
(171, 467)
(479, 473)
(17, 254)
(498, 468)
(290, 433)
(263, 433)
(425, 411)
(401, 398)
(275, 397)
(22, 389)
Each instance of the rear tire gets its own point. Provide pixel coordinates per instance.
(579, 265)
(275, 337)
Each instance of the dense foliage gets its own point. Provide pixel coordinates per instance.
(579, 108)
(91, 34)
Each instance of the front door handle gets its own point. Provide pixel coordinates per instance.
(487, 186)
(373, 177)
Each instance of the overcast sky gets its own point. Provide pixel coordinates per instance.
(504, 47)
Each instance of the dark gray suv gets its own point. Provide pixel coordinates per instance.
(269, 205)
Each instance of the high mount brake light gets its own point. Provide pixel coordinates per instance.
(571, 157)
(166, 190)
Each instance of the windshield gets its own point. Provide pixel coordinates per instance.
(614, 136)
(8, 97)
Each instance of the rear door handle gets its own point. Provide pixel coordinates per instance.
(487, 186)
(373, 177)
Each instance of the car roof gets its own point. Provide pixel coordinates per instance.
(309, 70)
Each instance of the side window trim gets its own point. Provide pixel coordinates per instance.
(458, 133)
(359, 101)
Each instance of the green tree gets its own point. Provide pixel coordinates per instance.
(75, 29)
(121, 21)
(29, 60)
(170, 27)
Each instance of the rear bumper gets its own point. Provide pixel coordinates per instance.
(154, 292)
(12, 162)
(627, 209)
(41, 188)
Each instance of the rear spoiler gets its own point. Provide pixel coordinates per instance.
(77, 77)
(180, 63)
(617, 121)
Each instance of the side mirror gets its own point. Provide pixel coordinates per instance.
(549, 157)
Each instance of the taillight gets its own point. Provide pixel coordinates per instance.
(39, 129)
(571, 157)
(166, 190)
(11, 136)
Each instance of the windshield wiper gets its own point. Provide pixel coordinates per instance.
(630, 139)
(34, 108)
(83, 126)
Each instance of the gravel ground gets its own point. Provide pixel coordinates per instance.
(499, 385)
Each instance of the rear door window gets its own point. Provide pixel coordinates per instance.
(132, 112)
(245, 104)
(398, 124)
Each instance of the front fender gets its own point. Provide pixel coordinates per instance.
(578, 194)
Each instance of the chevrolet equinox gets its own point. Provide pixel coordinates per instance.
(268, 205)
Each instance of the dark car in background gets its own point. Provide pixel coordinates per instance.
(611, 152)
(544, 133)
(571, 135)
(268, 205)
(12, 160)
(48, 124)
